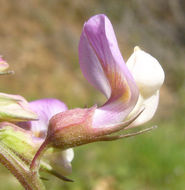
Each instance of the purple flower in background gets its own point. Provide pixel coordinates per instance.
(132, 92)
(45, 109)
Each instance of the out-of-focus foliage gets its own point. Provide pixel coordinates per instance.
(39, 39)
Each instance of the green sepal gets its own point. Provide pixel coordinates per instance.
(19, 140)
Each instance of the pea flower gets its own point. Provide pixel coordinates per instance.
(132, 92)
(17, 146)
(23, 128)
(20, 139)
(39, 135)
(46, 108)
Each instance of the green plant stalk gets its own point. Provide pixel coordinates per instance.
(28, 179)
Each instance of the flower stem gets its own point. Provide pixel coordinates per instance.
(28, 179)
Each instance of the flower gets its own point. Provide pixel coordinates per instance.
(149, 83)
(60, 161)
(20, 139)
(40, 134)
(17, 146)
(132, 91)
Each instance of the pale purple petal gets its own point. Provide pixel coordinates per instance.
(103, 66)
(91, 67)
(45, 109)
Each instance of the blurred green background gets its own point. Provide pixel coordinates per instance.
(39, 39)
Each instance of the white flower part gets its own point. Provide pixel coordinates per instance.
(150, 106)
(69, 154)
(147, 72)
(61, 161)
(149, 76)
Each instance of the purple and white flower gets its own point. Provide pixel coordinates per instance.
(131, 88)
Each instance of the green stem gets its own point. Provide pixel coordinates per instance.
(28, 179)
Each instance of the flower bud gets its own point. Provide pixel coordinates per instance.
(15, 108)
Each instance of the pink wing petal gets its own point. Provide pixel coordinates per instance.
(103, 66)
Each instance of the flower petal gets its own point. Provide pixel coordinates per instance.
(103, 66)
(149, 77)
(45, 108)
(147, 72)
(61, 161)
(150, 104)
